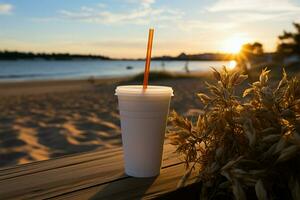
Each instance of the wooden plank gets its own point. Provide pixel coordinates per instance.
(134, 188)
(46, 179)
(65, 161)
(40, 166)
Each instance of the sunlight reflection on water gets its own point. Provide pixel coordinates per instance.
(232, 64)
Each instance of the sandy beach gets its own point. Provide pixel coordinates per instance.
(40, 120)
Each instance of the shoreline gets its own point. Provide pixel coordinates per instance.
(48, 71)
(46, 86)
(60, 85)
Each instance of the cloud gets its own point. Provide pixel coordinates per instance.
(44, 19)
(256, 17)
(147, 3)
(254, 5)
(5, 8)
(243, 11)
(101, 5)
(120, 44)
(189, 25)
(143, 13)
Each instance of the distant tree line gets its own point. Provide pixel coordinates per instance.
(253, 53)
(290, 42)
(202, 56)
(255, 48)
(15, 55)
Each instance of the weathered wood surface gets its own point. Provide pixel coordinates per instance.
(93, 175)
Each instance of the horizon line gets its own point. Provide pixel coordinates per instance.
(121, 58)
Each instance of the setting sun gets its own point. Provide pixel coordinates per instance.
(234, 44)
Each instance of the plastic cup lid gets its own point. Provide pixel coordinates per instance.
(137, 90)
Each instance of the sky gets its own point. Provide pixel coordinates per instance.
(119, 28)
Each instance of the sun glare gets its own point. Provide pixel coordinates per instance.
(234, 44)
(232, 64)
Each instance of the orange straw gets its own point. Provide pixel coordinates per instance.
(148, 58)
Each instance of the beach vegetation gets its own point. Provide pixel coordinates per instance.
(243, 146)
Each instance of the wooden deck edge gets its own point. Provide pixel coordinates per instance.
(134, 188)
(84, 172)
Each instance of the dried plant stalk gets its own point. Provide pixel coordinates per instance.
(244, 146)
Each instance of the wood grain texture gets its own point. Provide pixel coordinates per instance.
(133, 188)
(93, 175)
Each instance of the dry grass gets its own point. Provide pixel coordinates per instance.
(244, 146)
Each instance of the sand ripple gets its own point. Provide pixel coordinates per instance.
(44, 124)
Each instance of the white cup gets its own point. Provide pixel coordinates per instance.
(143, 122)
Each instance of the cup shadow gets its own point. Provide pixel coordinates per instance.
(125, 187)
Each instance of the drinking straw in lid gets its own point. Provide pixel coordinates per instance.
(148, 58)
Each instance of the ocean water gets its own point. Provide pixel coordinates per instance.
(26, 70)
